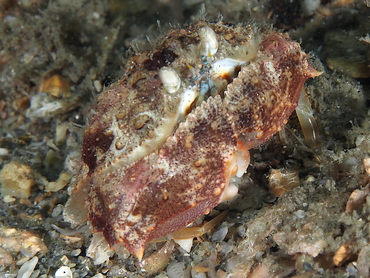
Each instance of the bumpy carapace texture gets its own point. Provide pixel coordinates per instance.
(165, 139)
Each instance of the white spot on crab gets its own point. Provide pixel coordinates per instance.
(170, 79)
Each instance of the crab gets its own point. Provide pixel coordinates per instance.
(165, 139)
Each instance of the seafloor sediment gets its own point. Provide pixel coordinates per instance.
(302, 209)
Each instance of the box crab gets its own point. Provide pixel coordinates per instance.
(167, 137)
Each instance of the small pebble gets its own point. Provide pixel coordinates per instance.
(8, 199)
(57, 211)
(4, 152)
(161, 275)
(309, 6)
(241, 231)
(220, 234)
(307, 267)
(76, 252)
(99, 275)
(195, 274)
(351, 270)
(176, 269)
(227, 247)
(366, 163)
(64, 259)
(299, 214)
(97, 85)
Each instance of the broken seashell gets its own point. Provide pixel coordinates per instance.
(27, 268)
(356, 200)
(308, 122)
(63, 272)
(61, 133)
(57, 86)
(99, 249)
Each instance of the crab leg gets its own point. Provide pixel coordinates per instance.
(191, 232)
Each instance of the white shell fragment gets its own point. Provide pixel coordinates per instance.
(185, 244)
(61, 133)
(59, 184)
(170, 79)
(63, 272)
(27, 268)
(43, 106)
(225, 67)
(209, 41)
(99, 249)
(187, 99)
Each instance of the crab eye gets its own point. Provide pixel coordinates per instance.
(170, 79)
(209, 41)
